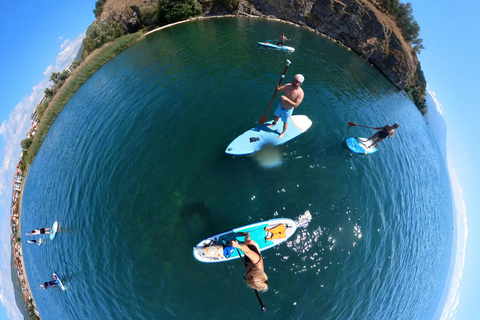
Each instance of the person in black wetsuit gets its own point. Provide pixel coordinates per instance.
(255, 275)
(382, 133)
(49, 284)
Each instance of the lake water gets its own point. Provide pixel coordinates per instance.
(134, 170)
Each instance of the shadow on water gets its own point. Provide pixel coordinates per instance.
(198, 221)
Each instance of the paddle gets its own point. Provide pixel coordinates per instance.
(264, 309)
(262, 121)
(353, 124)
(277, 40)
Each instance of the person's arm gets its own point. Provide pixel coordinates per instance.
(294, 103)
(252, 255)
(391, 133)
(281, 88)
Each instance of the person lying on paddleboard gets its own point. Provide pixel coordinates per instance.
(291, 100)
(255, 275)
(49, 284)
(40, 231)
(382, 133)
(282, 40)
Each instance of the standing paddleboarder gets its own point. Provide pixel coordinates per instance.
(255, 275)
(293, 97)
(40, 231)
(382, 133)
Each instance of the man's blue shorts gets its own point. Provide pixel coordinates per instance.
(284, 114)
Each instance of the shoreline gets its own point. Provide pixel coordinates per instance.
(18, 261)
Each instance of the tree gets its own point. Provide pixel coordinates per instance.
(58, 78)
(406, 22)
(49, 93)
(176, 10)
(25, 143)
(98, 8)
(99, 33)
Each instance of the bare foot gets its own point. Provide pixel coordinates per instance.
(272, 125)
(281, 136)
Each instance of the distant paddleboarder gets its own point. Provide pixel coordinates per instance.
(282, 40)
(293, 97)
(49, 284)
(39, 241)
(40, 231)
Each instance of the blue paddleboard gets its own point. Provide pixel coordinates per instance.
(256, 138)
(59, 282)
(258, 233)
(271, 45)
(54, 230)
(359, 145)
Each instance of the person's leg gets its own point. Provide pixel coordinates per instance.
(274, 123)
(285, 126)
(375, 143)
(372, 137)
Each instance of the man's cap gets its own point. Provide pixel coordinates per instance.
(300, 78)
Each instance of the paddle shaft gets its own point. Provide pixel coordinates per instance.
(262, 121)
(358, 125)
(264, 309)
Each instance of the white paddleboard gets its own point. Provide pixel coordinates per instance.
(256, 138)
(59, 281)
(211, 249)
(54, 230)
(274, 46)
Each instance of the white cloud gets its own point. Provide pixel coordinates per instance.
(13, 131)
(49, 70)
(65, 57)
(439, 107)
(453, 297)
(64, 44)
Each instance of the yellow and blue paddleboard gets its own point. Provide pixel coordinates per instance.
(266, 234)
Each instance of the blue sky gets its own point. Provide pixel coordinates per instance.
(42, 36)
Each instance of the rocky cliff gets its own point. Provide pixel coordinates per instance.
(355, 23)
(129, 13)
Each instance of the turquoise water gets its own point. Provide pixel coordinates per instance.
(134, 170)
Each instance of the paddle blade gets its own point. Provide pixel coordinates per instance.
(351, 124)
(262, 121)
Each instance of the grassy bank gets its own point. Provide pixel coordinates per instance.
(81, 74)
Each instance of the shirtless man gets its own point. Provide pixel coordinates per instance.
(291, 100)
(282, 39)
